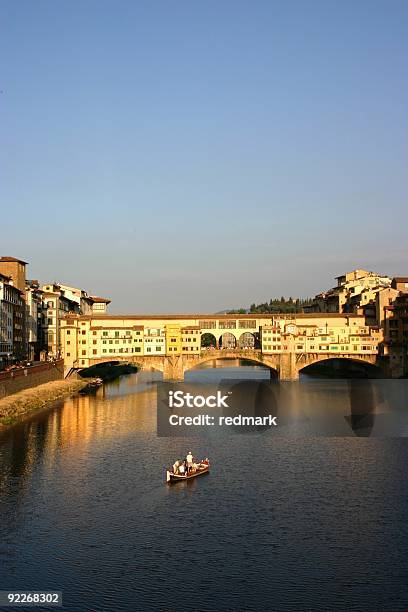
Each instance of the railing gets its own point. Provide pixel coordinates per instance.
(33, 369)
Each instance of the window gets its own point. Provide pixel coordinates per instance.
(94, 342)
(68, 354)
(103, 350)
(68, 332)
(247, 324)
(158, 348)
(149, 349)
(137, 349)
(83, 352)
(94, 333)
(68, 342)
(94, 352)
(207, 324)
(116, 334)
(105, 333)
(228, 324)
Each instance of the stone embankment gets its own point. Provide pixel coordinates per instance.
(26, 378)
(18, 406)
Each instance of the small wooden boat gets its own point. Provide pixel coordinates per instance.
(92, 386)
(200, 468)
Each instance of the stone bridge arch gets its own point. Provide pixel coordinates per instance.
(153, 362)
(370, 361)
(256, 357)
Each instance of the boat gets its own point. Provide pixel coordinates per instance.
(198, 470)
(92, 386)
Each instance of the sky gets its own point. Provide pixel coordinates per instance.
(195, 156)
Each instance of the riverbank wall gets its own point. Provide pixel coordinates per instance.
(18, 406)
(32, 376)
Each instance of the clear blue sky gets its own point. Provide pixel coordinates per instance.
(195, 156)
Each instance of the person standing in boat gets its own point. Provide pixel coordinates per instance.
(189, 461)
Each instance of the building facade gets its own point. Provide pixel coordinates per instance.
(55, 306)
(99, 304)
(90, 339)
(33, 309)
(396, 336)
(6, 321)
(353, 290)
(13, 309)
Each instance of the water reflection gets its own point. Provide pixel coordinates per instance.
(282, 522)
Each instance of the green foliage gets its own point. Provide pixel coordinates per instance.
(277, 306)
(208, 340)
(8, 420)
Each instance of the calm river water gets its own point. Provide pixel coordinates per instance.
(283, 522)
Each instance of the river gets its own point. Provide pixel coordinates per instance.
(282, 522)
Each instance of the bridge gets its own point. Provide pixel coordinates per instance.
(285, 366)
(174, 344)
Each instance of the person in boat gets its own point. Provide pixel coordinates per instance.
(176, 465)
(189, 461)
(181, 469)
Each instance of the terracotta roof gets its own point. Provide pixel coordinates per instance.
(93, 327)
(203, 317)
(100, 300)
(8, 258)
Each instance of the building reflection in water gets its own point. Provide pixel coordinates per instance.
(74, 427)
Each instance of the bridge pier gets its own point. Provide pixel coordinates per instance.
(173, 369)
(288, 369)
